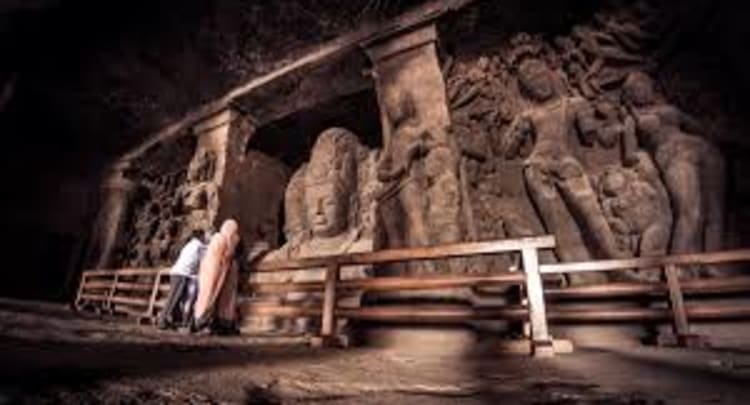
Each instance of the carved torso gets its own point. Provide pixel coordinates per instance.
(662, 125)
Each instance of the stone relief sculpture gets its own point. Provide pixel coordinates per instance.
(421, 201)
(637, 209)
(157, 219)
(322, 201)
(692, 169)
(529, 137)
(190, 183)
(572, 138)
(418, 167)
(328, 205)
(556, 180)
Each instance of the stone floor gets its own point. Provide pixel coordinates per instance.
(50, 355)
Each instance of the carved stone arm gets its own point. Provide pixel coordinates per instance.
(416, 148)
(520, 129)
(629, 142)
(586, 123)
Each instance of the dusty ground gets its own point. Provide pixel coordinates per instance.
(49, 355)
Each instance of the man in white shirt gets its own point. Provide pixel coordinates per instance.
(183, 283)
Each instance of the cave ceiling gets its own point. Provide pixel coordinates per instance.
(104, 75)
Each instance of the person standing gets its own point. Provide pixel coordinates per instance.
(216, 305)
(183, 275)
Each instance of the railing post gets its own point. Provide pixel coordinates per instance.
(328, 317)
(77, 304)
(112, 292)
(680, 325)
(149, 315)
(541, 342)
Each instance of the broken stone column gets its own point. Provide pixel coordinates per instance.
(115, 195)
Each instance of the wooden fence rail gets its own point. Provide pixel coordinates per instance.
(528, 247)
(669, 266)
(140, 291)
(134, 292)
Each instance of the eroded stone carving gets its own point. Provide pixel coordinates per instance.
(556, 180)
(692, 168)
(421, 203)
(419, 167)
(193, 182)
(322, 201)
(157, 223)
(329, 208)
(637, 209)
(558, 141)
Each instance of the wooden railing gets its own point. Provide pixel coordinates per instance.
(140, 292)
(134, 292)
(669, 266)
(528, 247)
(535, 313)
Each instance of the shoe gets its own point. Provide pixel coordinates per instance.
(163, 324)
(225, 328)
(200, 324)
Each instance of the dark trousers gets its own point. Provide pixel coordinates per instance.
(178, 308)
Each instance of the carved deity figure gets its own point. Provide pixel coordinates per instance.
(322, 202)
(692, 168)
(636, 206)
(419, 167)
(555, 179)
(325, 205)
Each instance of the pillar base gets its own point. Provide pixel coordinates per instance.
(538, 349)
(340, 341)
(690, 340)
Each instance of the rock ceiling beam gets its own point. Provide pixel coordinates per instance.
(367, 33)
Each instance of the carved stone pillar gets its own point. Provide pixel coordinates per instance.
(226, 182)
(207, 169)
(420, 159)
(115, 197)
(408, 62)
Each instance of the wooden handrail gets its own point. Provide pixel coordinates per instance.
(145, 271)
(726, 285)
(412, 253)
(388, 283)
(535, 311)
(528, 247)
(728, 256)
(93, 285)
(462, 314)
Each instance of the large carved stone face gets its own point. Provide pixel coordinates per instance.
(330, 180)
(326, 210)
(537, 79)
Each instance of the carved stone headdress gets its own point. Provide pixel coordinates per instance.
(334, 163)
(524, 46)
(334, 160)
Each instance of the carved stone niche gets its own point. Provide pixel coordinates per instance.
(421, 201)
(189, 182)
(329, 207)
(227, 181)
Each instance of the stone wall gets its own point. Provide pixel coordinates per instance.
(600, 150)
(152, 203)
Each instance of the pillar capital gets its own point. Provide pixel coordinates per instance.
(400, 42)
